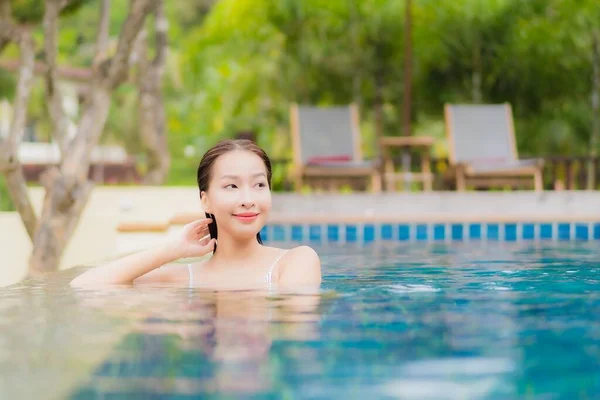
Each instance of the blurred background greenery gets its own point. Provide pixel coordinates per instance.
(235, 65)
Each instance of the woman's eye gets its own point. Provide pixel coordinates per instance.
(261, 184)
(230, 186)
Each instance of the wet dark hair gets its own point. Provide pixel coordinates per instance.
(205, 168)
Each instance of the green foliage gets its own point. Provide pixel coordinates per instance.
(32, 11)
(236, 65)
(249, 60)
(27, 11)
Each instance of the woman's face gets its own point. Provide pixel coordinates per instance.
(238, 194)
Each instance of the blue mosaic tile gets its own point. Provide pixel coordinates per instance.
(278, 233)
(421, 232)
(351, 233)
(387, 232)
(297, 234)
(581, 232)
(403, 232)
(564, 231)
(456, 231)
(314, 233)
(528, 232)
(369, 233)
(545, 231)
(333, 233)
(493, 231)
(510, 232)
(475, 231)
(439, 232)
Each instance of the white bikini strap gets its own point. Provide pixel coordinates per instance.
(191, 272)
(270, 273)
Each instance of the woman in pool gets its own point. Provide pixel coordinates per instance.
(234, 180)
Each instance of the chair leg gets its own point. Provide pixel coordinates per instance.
(298, 181)
(376, 183)
(426, 170)
(330, 185)
(538, 182)
(390, 185)
(461, 184)
(388, 170)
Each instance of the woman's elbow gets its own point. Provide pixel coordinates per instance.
(89, 278)
(81, 280)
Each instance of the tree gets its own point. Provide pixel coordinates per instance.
(9, 163)
(458, 43)
(151, 110)
(66, 186)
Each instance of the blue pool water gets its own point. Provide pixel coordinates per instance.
(393, 321)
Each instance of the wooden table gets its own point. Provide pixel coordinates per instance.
(421, 144)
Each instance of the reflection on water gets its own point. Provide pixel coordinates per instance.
(391, 321)
(190, 341)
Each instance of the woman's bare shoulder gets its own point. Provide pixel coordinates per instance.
(301, 265)
(304, 252)
(299, 251)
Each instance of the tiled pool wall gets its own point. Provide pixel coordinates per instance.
(430, 232)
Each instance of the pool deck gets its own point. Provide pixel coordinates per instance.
(441, 206)
(412, 208)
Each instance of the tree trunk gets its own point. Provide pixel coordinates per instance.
(379, 82)
(357, 58)
(378, 106)
(594, 137)
(103, 34)
(67, 188)
(5, 15)
(407, 104)
(476, 78)
(151, 111)
(63, 204)
(9, 162)
(17, 188)
(58, 118)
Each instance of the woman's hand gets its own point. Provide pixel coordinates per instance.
(194, 239)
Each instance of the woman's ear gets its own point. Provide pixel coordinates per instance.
(205, 202)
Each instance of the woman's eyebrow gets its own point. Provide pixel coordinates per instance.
(229, 176)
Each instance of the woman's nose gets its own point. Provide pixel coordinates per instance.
(246, 198)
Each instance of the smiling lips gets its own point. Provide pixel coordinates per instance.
(246, 217)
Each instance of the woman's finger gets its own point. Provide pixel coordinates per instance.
(202, 229)
(205, 235)
(205, 240)
(199, 223)
(201, 234)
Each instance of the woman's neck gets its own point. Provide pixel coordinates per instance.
(229, 249)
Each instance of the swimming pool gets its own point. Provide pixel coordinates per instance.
(489, 320)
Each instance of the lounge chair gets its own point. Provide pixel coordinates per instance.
(482, 147)
(327, 145)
